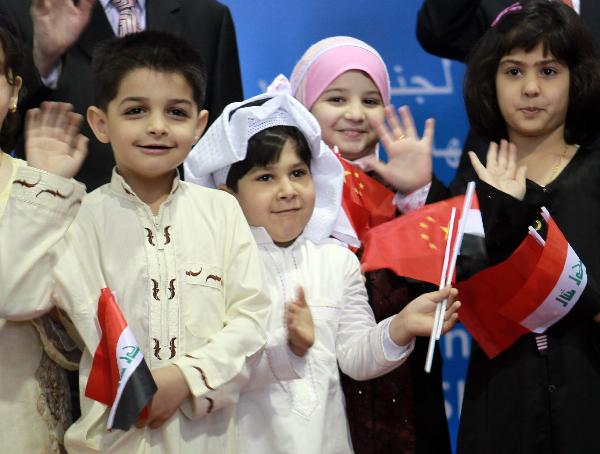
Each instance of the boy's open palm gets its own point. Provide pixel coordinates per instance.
(52, 139)
(409, 165)
(300, 326)
(501, 169)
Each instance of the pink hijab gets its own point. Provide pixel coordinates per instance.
(329, 58)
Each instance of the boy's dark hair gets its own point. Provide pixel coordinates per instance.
(11, 67)
(159, 51)
(563, 34)
(264, 148)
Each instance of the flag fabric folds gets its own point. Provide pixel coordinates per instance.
(412, 245)
(530, 291)
(367, 202)
(120, 377)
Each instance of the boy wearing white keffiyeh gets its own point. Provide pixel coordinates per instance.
(267, 152)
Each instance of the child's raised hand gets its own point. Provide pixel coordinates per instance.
(52, 139)
(501, 169)
(409, 165)
(417, 318)
(172, 391)
(299, 322)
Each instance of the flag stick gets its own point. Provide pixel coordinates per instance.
(459, 237)
(537, 236)
(438, 309)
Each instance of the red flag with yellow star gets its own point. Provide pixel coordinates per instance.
(367, 202)
(413, 245)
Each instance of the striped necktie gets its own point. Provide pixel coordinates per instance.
(128, 22)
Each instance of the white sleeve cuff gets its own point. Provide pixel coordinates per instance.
(412, 201)
(51, 79)
(47, 191)
(391, 350)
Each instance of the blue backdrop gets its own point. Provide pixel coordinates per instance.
(272, 35)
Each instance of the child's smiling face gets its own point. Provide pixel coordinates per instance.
(151, 124)
(279, 197)
(343, 111)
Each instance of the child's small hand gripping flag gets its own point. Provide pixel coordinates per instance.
(120, 378)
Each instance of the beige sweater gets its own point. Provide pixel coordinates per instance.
(188, 281)
(34, 393)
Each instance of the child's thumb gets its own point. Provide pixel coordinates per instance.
(440, 295)
(300, 298)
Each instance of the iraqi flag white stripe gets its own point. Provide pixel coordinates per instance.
(129, 357)
(562, 298)
(474, 223)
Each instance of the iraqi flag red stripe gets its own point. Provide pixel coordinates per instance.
(552, 289)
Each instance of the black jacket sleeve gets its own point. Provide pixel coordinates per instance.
(449, 28)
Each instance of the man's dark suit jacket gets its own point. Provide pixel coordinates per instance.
(450, 28)
(204, 24)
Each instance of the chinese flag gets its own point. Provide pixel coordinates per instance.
(412, 245)
(367, 202)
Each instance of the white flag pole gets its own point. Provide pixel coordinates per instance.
(459, 237)
(438, 309)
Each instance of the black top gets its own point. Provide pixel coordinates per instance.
(524, 400)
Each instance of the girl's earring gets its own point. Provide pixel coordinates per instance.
(13, 108)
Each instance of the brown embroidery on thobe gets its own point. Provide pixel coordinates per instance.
(172, 348)
(52, 192)
(202, 374)
(211, 405)
(26, 184)
(127, 190)
(156, 348)
(150, 236)
(214, 277)
(155, 289)
(193, 273)
(172, 289)
(167, 235)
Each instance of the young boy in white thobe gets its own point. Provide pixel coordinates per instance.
(267, 152)
(180, 258)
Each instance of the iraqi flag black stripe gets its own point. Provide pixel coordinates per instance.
(137, 393)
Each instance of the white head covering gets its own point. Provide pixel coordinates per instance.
(226, 142)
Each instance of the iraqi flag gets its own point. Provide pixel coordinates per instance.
(120, 378)
(530, 291)
(413, 245)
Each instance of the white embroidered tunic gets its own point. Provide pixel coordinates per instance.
(307, 415)
(188, 281)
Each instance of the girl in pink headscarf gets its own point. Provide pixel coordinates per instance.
(345, 84)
